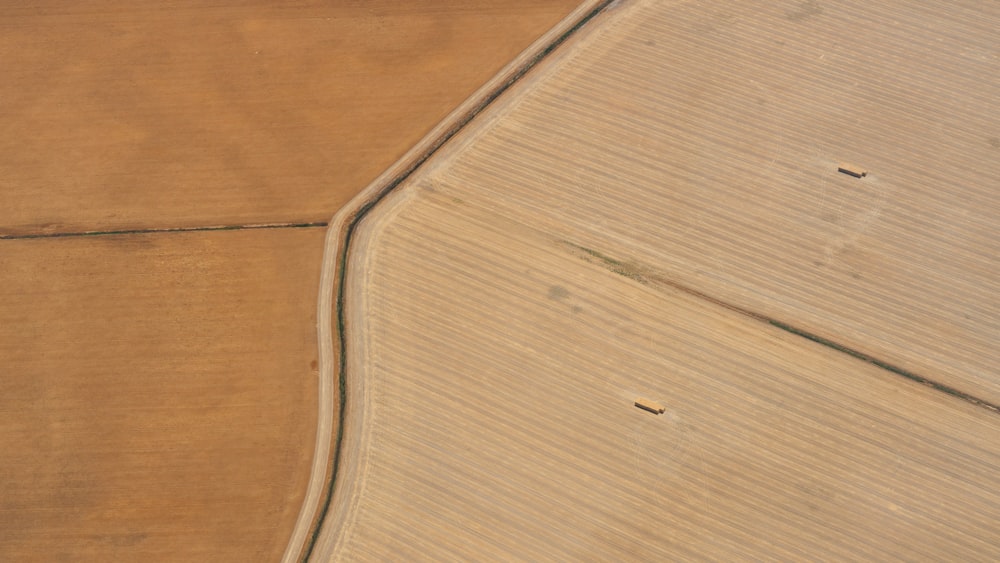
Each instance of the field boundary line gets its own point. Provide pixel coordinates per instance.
(200, 229)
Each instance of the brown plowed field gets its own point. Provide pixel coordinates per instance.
(657, 211)
(169, 418)
(122, 116)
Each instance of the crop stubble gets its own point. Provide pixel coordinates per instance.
(507, 303)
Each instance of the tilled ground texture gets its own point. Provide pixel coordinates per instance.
(170, 419)
(122, 116)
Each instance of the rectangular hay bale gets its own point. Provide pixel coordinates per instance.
(852, 170)
(651, 406)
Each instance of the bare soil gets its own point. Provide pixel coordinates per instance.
(158, 397)
(117, 116)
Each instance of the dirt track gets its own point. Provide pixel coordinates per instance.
(659, 213)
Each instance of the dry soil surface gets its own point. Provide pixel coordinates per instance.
(117, 115)
(171, 418)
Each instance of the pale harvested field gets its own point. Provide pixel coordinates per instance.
(157, 394)
(228, 113)
(711, 158)
(494, 370)
(657, 212)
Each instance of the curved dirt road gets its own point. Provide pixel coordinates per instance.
(319, 508)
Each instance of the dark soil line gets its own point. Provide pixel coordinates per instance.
(885, 365)
(166, 230)
(645, 276)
